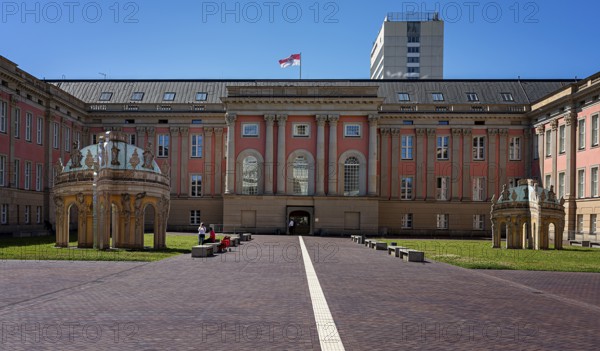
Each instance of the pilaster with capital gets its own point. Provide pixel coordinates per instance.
(230, 119)
(503, 158)
(185, 154)
(385, 163)
(493, 165)
(332, 169)
(281, 153)
(209, 166)
(269, 152)
(431, 156)
(218, 160)
(466, 164)
(421, 163)
(456, 141)
(321, 120)
(395, 133)
(372, 172)
(174, 158)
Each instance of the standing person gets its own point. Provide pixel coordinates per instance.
(291, 226)
(201, 234)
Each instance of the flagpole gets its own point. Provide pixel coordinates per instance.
(300, 65)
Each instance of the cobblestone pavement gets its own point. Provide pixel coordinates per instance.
(257, 298)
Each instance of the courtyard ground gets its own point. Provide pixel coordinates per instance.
(258, 297)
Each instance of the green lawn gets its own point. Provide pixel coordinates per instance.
(480, 255)
(42, 248)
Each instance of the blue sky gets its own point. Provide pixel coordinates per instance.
(245, 39)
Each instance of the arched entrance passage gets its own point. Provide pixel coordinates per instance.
(150, 226)
(73, 223)
(302, 222)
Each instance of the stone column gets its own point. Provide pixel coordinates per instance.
(554, 148)
(493, 167)
(541, 155)
(209, 167)
(395, 155)
(571, 173)
(420, 185)
(385, 163)
(218, 160)
(372, 181)
(230, 118)
(268, 174)
(431, 156)
(502, 161)
(281, 154)
(525, 149)
(456, 166)
(182, 163)
(333, 156)
(466, 164)
(321, 120)
(140, 133)
(174, 156)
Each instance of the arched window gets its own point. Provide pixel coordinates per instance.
(250, 176)
(351, 176)
(300, 176)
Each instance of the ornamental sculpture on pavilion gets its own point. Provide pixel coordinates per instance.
(110, 192)
(524, 214)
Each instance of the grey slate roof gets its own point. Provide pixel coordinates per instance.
(488, 91)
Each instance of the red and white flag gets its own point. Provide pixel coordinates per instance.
(293, 60)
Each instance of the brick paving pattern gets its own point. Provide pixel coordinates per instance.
(257, 298)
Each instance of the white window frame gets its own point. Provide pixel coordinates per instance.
(442, 221)
(352, 182)
(17, 124)
(195, 185)
(39, 169)
(579, 224)
(561, 139)
(250, 169)
(441, 190)
(27, 214)
(132, 139)
(548, 181)
(514, 149)
(580, 183)
(38, 214)
(67, 138)
(4, 214)
(250, 130)
(162, 147)
(443, 147)
(407, 145)
(593, 223)
(28, 125)
(55, 135)
(594, 181)
(16, 174)
(581, 130)
(479, 189)
(407, 221)
(478, 222)
(27, 171)
(406, 188)
(40, 131)
(297, 127)
(352, 130)
(472, 97)
(195, 217)
(479, 148)
(548, 136)
(300, 175)
(561, 185)
(3, 170)
(3, 115)
(595, 129)
(403, 97)
(437, 96)
(196, 145)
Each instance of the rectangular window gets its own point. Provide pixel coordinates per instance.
(27, 175)
(67, 138)
(581, 129)
(27, 214)
(17, 129)
(201, 96)
(163, 145)
(536, 147)
(548, 143)
(39, 130)
(38, 177)
(169, 96)
(16, 174)
(55, 135)
(2, 170)
(437, 96)
(548, 181)
(105, 96)
(412, 59)
(195, 217)
(407, 188)
(301, 130)
(581, 183)
(479, 148)
(514, 149)
(38, 214)
(28, 125)
(132, 139)
(479, 189)
(352, 130)
(478, 222)
(250, 129)
(595, 130)
(403, 97)
(593, 219)
(579, 223)
(442, 188)
(407, 221)
(442, 147)
(196, 185)
(594, 181)
(442, 221)
(561, 185)
(413, 70)
(4, 214)
(472, 97)
(507, 97)
(413, 49)
(196, 145)
(413, 39)
(3, 116)
(94, 139)
(137, 96)
(561, 139)
(407, 147)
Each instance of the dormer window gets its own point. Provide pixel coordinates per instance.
(105, 96)
(169, 96)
